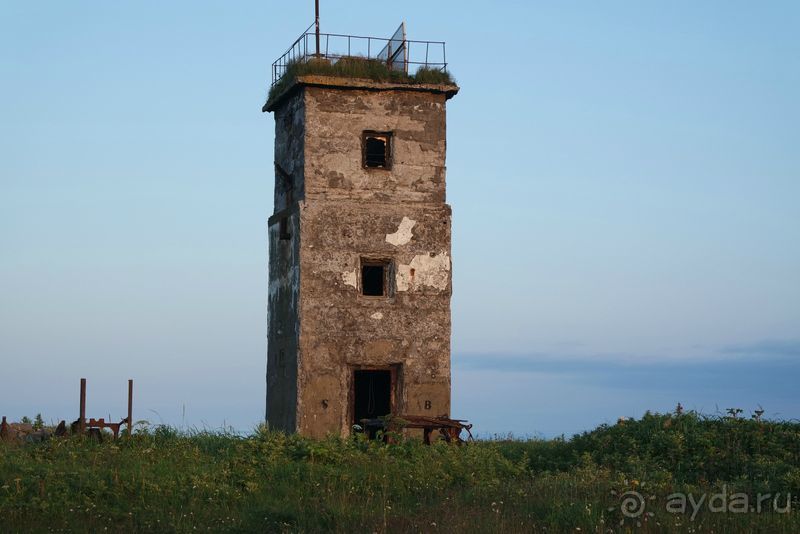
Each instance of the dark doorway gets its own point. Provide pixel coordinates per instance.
(372, 395)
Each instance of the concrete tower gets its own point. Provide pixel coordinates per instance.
(359, 254)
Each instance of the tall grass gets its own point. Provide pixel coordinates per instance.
(163, 480)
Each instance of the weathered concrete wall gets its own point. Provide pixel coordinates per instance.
(283, 324)
(343, 329)
(335, 121)
(284, 270)
(290, 131)
(345, 214)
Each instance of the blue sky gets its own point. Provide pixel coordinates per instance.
(625, 180)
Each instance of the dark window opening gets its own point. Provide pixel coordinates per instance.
(287, 184)
(283, 229)
(288, 198)
(373, 279)
(372, 395)
(288, 190)
(377, 150)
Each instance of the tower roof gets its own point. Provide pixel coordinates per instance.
(449, 89)
(358, 62)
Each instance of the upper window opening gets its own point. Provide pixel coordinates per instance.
(377, 150)
(283, 229)
(287, 184)
(289, 190)
(374, 279)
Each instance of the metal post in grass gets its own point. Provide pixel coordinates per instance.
(82, 416)
(130, 408)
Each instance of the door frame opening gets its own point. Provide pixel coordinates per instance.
(394, 389)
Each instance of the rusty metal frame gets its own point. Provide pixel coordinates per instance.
(447, 429)
(94, 426)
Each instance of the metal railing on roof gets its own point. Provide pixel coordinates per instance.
(399, 53)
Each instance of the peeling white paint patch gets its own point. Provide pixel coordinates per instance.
(403, 234)
(350, 278)
(432, 270)
(377, 316)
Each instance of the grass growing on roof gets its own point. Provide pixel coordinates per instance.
(368, 69)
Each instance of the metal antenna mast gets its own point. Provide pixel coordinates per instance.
(316, 22)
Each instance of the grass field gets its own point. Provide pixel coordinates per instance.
(161, 480)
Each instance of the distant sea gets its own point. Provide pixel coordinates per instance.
(545, 397)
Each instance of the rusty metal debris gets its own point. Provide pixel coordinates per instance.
(448, 429)
(91, 427)
(22, 432)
